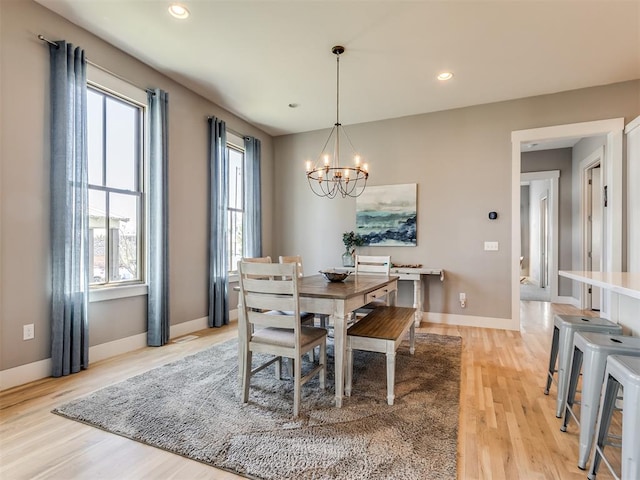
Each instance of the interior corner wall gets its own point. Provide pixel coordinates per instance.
(461, 162)
(24, 189)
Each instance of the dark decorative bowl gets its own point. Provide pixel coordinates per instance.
(334, 276)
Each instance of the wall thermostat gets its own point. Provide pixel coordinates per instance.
(493, 215)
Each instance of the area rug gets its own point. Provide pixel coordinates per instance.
(192, 407)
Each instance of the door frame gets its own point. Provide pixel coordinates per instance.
(597, 157)
(613, 129)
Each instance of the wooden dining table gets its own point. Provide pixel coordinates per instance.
(339, 299)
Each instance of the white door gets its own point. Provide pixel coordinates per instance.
(544, 242)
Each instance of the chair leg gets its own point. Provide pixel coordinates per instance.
(279, 369)
(412, 338)
(297, 378)
(323, 362)
(247, 376)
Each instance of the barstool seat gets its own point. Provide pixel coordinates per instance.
(622, 371)
(590, 352)
(564, 328)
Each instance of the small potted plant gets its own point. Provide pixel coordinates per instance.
(351, 240)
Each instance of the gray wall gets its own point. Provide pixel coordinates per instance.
(461, 161)
(558, 159)
(24, 187)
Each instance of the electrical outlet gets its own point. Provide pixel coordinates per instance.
(28, 332)
(463, 299)
(491, 246)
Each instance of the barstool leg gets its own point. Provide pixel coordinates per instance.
(590, 401)
(631, 432)
(604, 422)
(565, 345)
(552, 358)
(576, 365)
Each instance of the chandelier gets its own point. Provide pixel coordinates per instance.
(327, 178)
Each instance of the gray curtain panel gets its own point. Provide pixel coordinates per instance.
(69, 210)
(252, 220)
(218, 206)
(158, 281)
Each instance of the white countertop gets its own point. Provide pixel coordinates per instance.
(623, 283)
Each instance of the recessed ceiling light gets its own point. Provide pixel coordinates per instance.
(445, 76)
(178, 11)
(293, 105)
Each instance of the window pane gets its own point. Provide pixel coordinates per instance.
(94, 136)
(97, 240)
(235, 239)
(235, 179)
(122, 144)
(123, 234)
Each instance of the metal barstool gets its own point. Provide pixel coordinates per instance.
(564, 328)
(622, 371)
(590, 352)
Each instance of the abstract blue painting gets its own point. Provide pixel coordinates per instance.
(386, 215)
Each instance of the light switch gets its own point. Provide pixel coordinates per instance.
(491, 246)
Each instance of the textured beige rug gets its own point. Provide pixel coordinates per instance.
(191, 407)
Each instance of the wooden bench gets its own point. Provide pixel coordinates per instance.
(381, 331)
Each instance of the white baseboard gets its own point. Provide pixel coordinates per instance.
(30, 372)
(12, 377)
(186, 328)
(566, 301)
(471, 321)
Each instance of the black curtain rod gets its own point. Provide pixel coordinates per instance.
(54, 44)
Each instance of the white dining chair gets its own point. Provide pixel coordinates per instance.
(267, 290)
(373, 265)
(297, 259)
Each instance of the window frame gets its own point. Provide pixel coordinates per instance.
(235, 142)
(122, 91)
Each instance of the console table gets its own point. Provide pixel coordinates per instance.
(416, 275)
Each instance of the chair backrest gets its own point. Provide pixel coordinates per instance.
(373, 265)
(254, 260)
(297, 259)
(266, 289)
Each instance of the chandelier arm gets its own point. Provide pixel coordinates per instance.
(344, 131)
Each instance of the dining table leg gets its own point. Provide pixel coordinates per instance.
(339, 338)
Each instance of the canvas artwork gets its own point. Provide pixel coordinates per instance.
(386, 215)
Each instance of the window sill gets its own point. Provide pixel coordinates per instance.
(113, 293)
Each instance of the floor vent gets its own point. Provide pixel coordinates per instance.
(185, 339)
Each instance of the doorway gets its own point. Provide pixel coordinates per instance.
(592, 223)
(612, 225)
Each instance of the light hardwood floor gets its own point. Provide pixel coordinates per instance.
(508, 428)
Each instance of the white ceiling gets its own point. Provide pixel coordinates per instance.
(254, 58)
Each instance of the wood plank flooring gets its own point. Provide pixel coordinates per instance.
(508, 429)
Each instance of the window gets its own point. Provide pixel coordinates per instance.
(116, 220)
(235, 154)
